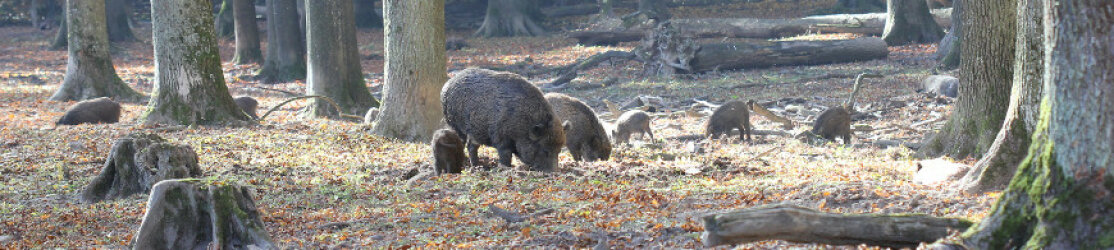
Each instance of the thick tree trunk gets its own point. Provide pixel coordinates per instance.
(731, 56)
(117, 12)
(193, 214)
(89, 70)
(334, 64)
(225, 20)
(286, 49)
(62, 36)
(137, 162)
(189, 81)
(910, 22)
(985, 82)
(366, 16)
(948, 51)
(999, 164)
(869, 24)
(798, 224)
(511, 18)
(415, 69)
(247, 33)
(1061, 196)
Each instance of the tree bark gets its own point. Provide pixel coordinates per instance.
(247, 33)
(798, 224)
(910, 22)
(89, 70)
(366, 16)
(948, 51)
(415, 70)
(117, 12)
(189, 81)
(511, 18)
(1061, 196)
(61, 38)
(999, 164)
(137, 162)
(225, 20)
(985, 82)
(192, 214)
(286, 51)
(334, 64)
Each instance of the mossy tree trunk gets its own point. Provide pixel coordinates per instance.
(117, 12)
(366, 16)
(948, 51)
(62, 36)
(333, 63)
(999, 164)
(985, 79)
(247, 33)
(189, 81)
(415, 69)
(196, 214)
(511, 18)
(225, 22)
(286, 48)
(910, 22)
(138, 161)
(1061, 196)
(89, 70)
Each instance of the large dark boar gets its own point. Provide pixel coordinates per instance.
(732, 115)
(504, 111)
(448, 152)
(99, 110)
(586, 138)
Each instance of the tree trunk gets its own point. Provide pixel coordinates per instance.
(985, 82)
(415, 69)
(89, 70)
(193, 214)
(869, 24)
(117, 12)
(606, 9)
(731, 56)
(511, 18)
(910, 22)
(649, 14)
(948, 51)
(225, 20)
(286, 51)
(798, 224)
(137, 162)
(999, 164)
(1061, 196)
(189, 81)
(366, 16)
(247, 33)
(61, 38)
(334, 64)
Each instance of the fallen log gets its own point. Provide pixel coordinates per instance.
(730, 56)
(798, 224)
(867, 24)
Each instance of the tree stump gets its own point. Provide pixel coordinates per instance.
(137, 162)
(193, 214)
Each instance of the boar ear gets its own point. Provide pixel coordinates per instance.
(566, 125)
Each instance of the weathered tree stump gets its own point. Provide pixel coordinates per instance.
(138, 161)
(798, 224)
(193, 214)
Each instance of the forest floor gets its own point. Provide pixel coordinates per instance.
(307, 173)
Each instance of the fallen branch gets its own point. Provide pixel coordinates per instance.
(762, 111)
(569, 72)
(798, 224)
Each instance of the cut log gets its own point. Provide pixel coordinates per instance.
(191, 214)
(730, 56)
(867, 24)
(798, 224)
(138, 161)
